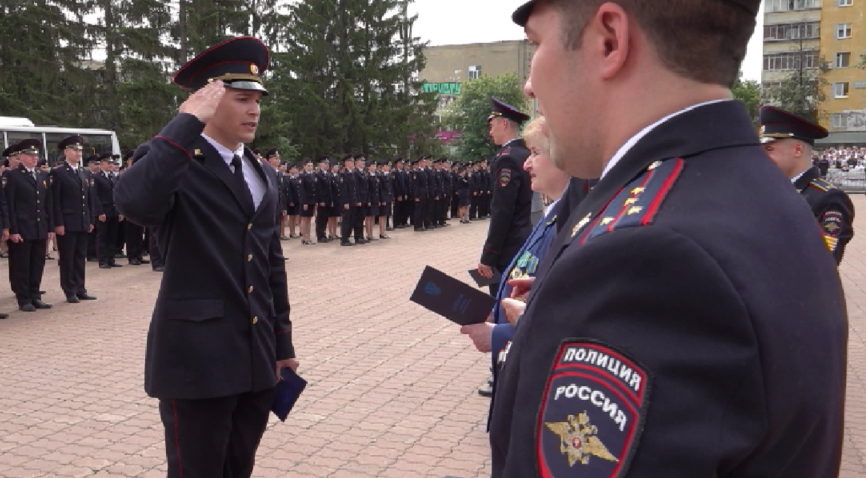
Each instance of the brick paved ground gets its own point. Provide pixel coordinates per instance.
(392, 387)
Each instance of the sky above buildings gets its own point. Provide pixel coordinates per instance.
(446, 22)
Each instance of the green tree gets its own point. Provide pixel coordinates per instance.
(470, 111)
(749, 93)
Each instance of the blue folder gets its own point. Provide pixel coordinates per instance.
(288, 390)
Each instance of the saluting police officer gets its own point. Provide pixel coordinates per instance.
(220, 332)
(28, 198)
(788, 140)
(511, 203)
(665, 331)
(74, 207)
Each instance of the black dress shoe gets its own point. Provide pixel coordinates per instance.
(27, 308)
(346, 243)
(104, 266)
(384, 236)
(72, 299)
(92, 259)
(159, 268)
(134, 262)
(41, 305)
(4, 316)
(389, 229)
(120, 255)
(41, 292)
(143, 261)
(85, 297)
(49, 257)
(485, 391)
(115, 265)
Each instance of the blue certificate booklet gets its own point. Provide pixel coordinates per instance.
(288, 390)
(455, 300)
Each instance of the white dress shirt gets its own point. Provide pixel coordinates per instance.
(255, 183)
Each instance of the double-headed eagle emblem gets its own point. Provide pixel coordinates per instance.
(578, 441)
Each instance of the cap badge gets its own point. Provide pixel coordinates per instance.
(254, 69)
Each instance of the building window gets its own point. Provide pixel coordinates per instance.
(843, 30)
(843, 59)
(838, 120)
(844, 3)
(840, 90)
(474, 72)
(789, 5)
(794, 31)
(790, 60)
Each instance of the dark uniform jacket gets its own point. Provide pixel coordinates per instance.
(349, 187)
(323, 187)
(307, 189)
(385, 188)
(104, 187)
(29, 204)
(363, 189)
(221, 319)
(437, 185)
(833, 209)
(335, 189)
(74, 205)
(419, 184)
(687, 322)
(282, 193)
(511, 206)
(398, 179)
(374, 189)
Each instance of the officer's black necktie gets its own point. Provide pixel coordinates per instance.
(237, 164)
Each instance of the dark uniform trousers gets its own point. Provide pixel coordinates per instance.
(221, 320)
(91, 245)
(134, 240)
(420, 213)
(347, 221)
(216, 437)
(156, 257)
(106, 240)
(74, 207)
(26, 265)
(323, 213)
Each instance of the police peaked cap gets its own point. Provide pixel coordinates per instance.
(93, 158)
(271, 153)
(128, 155)
(238, 62)
(779, 124)
(358, 156)
(28, 146)
(12, 150)
(521, 15)
(504, 110)
(71, 142)
(324, 158)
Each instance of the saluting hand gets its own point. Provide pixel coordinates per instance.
(203, 103)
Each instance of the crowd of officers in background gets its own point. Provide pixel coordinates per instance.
(353, 198)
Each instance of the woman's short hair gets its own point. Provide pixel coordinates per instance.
(534, 135)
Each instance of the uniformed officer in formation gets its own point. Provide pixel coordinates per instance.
(420, 194)
(324, 198)
(668, 329)
(788, 140)
(220, 333)
(109, 221)
(350, 201)
(28, 199)
(73, 214)
(399, 179)
(134, 234)
(308, 199)
(511, 202)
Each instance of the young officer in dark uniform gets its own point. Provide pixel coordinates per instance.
(336, 208)
(272, 156)
(91, 164)
(420, 195)
(323, 196)
(109, 221)
(133, 232)
(28, 199)
(74, 207)
(220, 332)
(351, 204)
(788, 140)
(664, 334)
(307, 194)
(511, 205)
(363, 193)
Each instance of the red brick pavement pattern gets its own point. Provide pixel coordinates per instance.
(392, 387)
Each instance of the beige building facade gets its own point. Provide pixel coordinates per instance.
(829, 35)
(449, 67)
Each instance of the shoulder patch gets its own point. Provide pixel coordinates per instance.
(504, 177)
(821, 185)
(592, 413)
(504, 151)
(637, 204)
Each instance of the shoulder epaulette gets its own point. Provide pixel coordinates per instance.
(636, 204)
(821, 185)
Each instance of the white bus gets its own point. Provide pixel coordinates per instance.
(96, 141)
